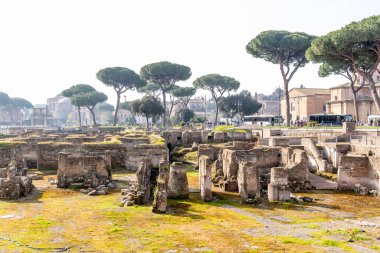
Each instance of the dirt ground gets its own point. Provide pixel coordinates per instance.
(59, 220)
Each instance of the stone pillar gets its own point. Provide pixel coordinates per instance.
(161, 195)
(178, 183)
(349, 127)
(278, 189)
(143, 181)
(218, 137)
(164, 169)
(205, 183)
(248, 136)
(108, 160)
(185, 137)
(248, 180)
(204, 136)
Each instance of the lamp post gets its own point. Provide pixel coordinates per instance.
(238, 104)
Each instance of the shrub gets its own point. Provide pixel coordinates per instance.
(312, 123)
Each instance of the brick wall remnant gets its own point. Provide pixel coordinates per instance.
(81, 169)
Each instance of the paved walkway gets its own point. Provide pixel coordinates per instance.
(321, 183)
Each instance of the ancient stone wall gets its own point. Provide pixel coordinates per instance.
(47, 154)
(155, 153)
(188, 137)
(298, 171)
(89, 171)
(358, 169)
(353, 170)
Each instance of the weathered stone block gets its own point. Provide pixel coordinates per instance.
(248, 180)
(178, 182)
(205, 183)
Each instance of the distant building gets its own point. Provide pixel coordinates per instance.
(304, 102)
(41, 116)
(61, 108)
(268, 107)
(341, 101)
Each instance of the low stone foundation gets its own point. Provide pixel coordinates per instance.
(83, 170)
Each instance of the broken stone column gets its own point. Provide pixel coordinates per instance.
(248, 180)
(205, 183)
(160, 196)
(278, 189)
(178, 183)
(143, 181)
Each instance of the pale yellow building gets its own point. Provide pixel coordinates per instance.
(342, 102)
(304, 102)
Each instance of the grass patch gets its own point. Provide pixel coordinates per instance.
(5, 144)
(229, 129)
(295, 240)
(156, 140)
(191, 157)
(330, 176)
(330, 243)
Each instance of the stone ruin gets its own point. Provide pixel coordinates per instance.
(253, 171)
(156, 186)
(14, 181)
(84, 171)
(160, 201)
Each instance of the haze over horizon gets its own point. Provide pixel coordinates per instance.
(48, 46)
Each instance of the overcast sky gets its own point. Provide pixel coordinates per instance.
(47, 46)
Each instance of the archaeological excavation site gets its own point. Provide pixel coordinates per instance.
(191, 190)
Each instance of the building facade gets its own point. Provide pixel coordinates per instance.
(304, 102)
(342, 101)
(268, 107)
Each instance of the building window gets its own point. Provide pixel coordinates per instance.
(336, 97)
(378, 78)
(293, 108)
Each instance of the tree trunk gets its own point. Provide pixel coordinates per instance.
(93, 116)
(356, 106)
(147, 123)
(375, 95)
(79, 117)
(164, 104)
(287, 103)
(117, 108)
(216, 112)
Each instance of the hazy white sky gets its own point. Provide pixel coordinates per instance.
(47, 46)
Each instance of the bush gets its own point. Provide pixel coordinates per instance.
(312, 124)
(199, 119)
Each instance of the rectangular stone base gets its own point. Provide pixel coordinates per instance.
(276, 193)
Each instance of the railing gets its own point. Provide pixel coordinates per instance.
(23, 129)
